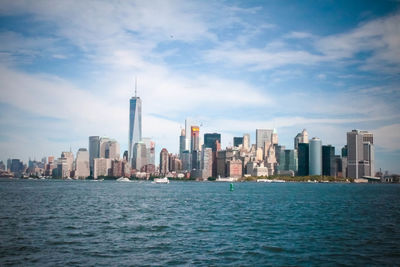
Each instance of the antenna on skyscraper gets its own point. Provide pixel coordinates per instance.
(135, 86)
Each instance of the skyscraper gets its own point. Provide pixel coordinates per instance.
(360, 154)
(82, 169)
(182, 143)
(164, 161)
(213, 141)
(303, 159)
(288, 160)
(237, 141)
(246, 141)
(109, 148)
(328, 161)
(301, 138)
(139, 155)
(94, 149)
(150, 150)
(69, 156)
(315, 156)
(135, 122)
(210, 140)
(187, 135)
(195, 133)
(206, 163)
(262, 136)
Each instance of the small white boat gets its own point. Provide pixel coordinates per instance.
(161, 180)
(270, 181)
(226, 179)
(123, 179)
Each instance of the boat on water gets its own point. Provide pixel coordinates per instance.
(226, 179)
(270, 181)
(123, 179)
(161, 180)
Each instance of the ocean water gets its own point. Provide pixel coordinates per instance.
(84, 223)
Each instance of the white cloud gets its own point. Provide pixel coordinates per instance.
(380, 37)
(387, 137)
(298, 35)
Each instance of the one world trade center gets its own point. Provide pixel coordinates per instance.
(135, 123)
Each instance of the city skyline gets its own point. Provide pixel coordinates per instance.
(247, 70)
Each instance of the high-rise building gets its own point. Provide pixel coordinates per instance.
(186, 161)
(269, 158)
(301, 138)
(125, 156)
(297, 140)
(94, 149)
(187, 134)
(109, 148)
(304, 134)
(210, 140)
(150, 150)
(262, 136)
(69, 156)
(206, 163)
(63, 168)
(196, 154)
(82, 168)
(223, 156)
(164, 161)
(195, 132)
(288, 160)
(328, 161)
(237, 141)
(360, 157)
(303, 159)
(139, 155)
(182, 142)
(135, 122)
(101, 167)
(278, 149)
(315, 156)
(246, 142)
(344, 151)
(17, 167)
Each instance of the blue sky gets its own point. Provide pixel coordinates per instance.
(67, 71)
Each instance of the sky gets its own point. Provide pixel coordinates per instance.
(67, 71)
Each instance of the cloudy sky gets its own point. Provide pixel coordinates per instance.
(67, 71)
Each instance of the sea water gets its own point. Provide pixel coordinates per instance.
(50, 222)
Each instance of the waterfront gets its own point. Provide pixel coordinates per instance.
(47, 222)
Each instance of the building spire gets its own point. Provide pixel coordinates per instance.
(135, 86)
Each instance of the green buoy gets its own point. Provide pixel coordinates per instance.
(231, 187)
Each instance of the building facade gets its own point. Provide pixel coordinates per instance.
(195, 141)
(135, 124)
(328, 161)
(94, 149)
(360, 154)
(303, 159)
(262, 136)
(82, 167)
(164, 164)
(315, 156)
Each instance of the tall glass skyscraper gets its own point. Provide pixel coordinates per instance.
(135, 124)
(315, 156)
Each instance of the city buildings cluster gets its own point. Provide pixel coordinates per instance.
(203, 158)
(267, 157)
